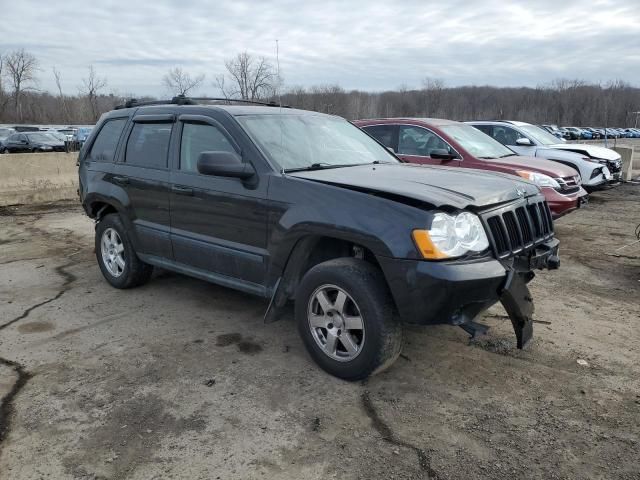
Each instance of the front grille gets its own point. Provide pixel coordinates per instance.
(569, 184)
(614, 166)
(518, 228)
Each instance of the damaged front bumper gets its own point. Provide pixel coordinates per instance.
(457, 292)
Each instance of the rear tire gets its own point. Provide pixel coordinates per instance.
(347, 319)
(116, 257)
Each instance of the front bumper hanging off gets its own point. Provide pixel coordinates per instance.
(456, 293)
(516, 297)
(518, 302)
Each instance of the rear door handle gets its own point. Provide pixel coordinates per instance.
(179, 190)
(121, 180)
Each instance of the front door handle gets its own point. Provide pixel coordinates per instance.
(121, 180)
(179, 190)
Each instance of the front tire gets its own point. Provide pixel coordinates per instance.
(116, 257)
(347, 319)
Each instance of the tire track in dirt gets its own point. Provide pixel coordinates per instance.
(388, 435)
(6, 403)
(68, 277)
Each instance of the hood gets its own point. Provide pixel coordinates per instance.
(593, 151)
(438, 186)
(542, 165)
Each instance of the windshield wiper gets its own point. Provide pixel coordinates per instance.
(326, 166)
(313, 166)
(508, 155)
(487, 158)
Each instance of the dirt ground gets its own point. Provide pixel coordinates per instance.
(181, 379)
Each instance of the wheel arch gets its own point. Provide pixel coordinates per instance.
(99, 209)
(308, 252)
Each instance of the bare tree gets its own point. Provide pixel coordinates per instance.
(61, 97)
(3, 98)
(20, 68)
(91, 87)
(433, 88)
(1, 75)
(179, 82)
(250, 78)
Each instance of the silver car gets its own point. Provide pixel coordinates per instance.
(598, 166)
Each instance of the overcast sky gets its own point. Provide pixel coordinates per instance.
(364, 44)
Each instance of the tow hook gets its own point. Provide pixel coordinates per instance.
(553, 263)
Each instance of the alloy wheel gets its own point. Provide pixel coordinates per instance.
(336, 323)
(112, 251)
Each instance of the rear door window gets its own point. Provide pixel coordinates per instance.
(385, 134)
(148, 145)
(105, 144)
(488, 129)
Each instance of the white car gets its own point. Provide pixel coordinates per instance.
(598, 166)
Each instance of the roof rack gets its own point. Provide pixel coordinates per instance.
(182, 100)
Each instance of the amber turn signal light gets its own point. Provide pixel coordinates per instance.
(425, 246)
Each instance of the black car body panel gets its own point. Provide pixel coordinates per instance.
(259, 235)
(436, 186)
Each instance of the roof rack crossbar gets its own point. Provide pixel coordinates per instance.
(182, 100)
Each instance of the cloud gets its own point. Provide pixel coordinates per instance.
(365, 44)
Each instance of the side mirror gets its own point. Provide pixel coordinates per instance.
(224, 164)
(442, 154)
(391, 149)
(23, 142)
(524, 142)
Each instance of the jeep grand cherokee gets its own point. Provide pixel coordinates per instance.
(297, 205)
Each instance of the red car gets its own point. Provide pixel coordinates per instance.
(455, 144)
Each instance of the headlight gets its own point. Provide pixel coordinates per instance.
(451, 236)
(539, 179)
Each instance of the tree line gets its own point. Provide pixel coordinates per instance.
(561, 102)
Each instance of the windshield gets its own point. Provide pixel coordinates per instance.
(40, 137)
(475, 142)
(302, 141)
(57, 136)
(538, 135)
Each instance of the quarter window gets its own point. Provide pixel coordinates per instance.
(198, 138)
(419, 141)
(105, 144)
(148, 145)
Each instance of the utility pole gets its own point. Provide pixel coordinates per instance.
(636, 114)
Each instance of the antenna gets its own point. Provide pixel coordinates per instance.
(279, 98)
(278, 71)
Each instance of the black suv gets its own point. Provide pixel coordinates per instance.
(296, 205)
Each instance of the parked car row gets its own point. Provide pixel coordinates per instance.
(17, 139)
(32, 142)
(591, 133)
(597, 166)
